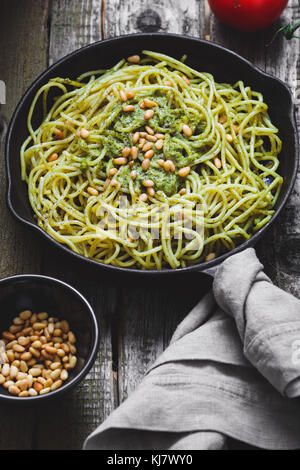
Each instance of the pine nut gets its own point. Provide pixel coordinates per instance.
(123, 95)
(148, 114)
(151, 192)
(128, 108)
(8, 383)
(151, 138)
(55, 374)
(229, 138)
(182, 191)
(55, 365)
(25, 393)
(8, 335)
(52, 157)
(149, 154)
(39, 325)
(120, 161)
(126, 151)
(2, 379)
(148, 183)
(149, 104)
(37, 387)
(236, 129)
(26, 356)
(147, 147)
(159, 144)
(34, 352)
(143, 197)
(56, 384)
(42, 315)
(135, 137)
(13, 372)
(18, 348)
(169, 166)
(36, 345)
(22, 384)
(23, 366)
(71, 337)
(210, 257)
(187, 130)
(133, 174)
(50, 328)
(84, 133)
(15, 328)
(32, 392)
(13, 390)
(34, 372)
(61, 353)
(149, 130)
(141, 143)
(10, 355)
(217, 162)
(45, 390)
(160, 136)
(92, 191)
(59, 134)
(5, 370)
(25, 315)
(130, 95)
(18, 321)
(113, 171)
(145, 164)
(23, 341)
(183, 172)
(51, 350)
(65, 347)
(134, 59)
(64, 375)
(134, 153)
(161, 162)
(65, 326)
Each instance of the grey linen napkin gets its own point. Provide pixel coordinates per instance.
(231, 369)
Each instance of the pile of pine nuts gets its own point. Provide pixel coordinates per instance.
(39, 352)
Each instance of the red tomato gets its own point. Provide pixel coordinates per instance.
(248, 15)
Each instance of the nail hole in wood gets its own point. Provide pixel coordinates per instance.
(148, 21)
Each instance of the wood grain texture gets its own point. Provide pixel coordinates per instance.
(74, 24)
(148, 315)
(173, 16)
(22, 25)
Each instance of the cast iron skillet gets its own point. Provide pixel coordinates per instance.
(226, 66)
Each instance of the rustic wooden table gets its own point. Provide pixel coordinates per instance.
(135, 320)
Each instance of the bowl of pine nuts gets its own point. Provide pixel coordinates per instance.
(48, 337)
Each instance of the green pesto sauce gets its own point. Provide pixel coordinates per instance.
(165, 121)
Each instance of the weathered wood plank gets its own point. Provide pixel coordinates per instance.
(73, 25)
(148, 315)
(134, 16)
(23, 25)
